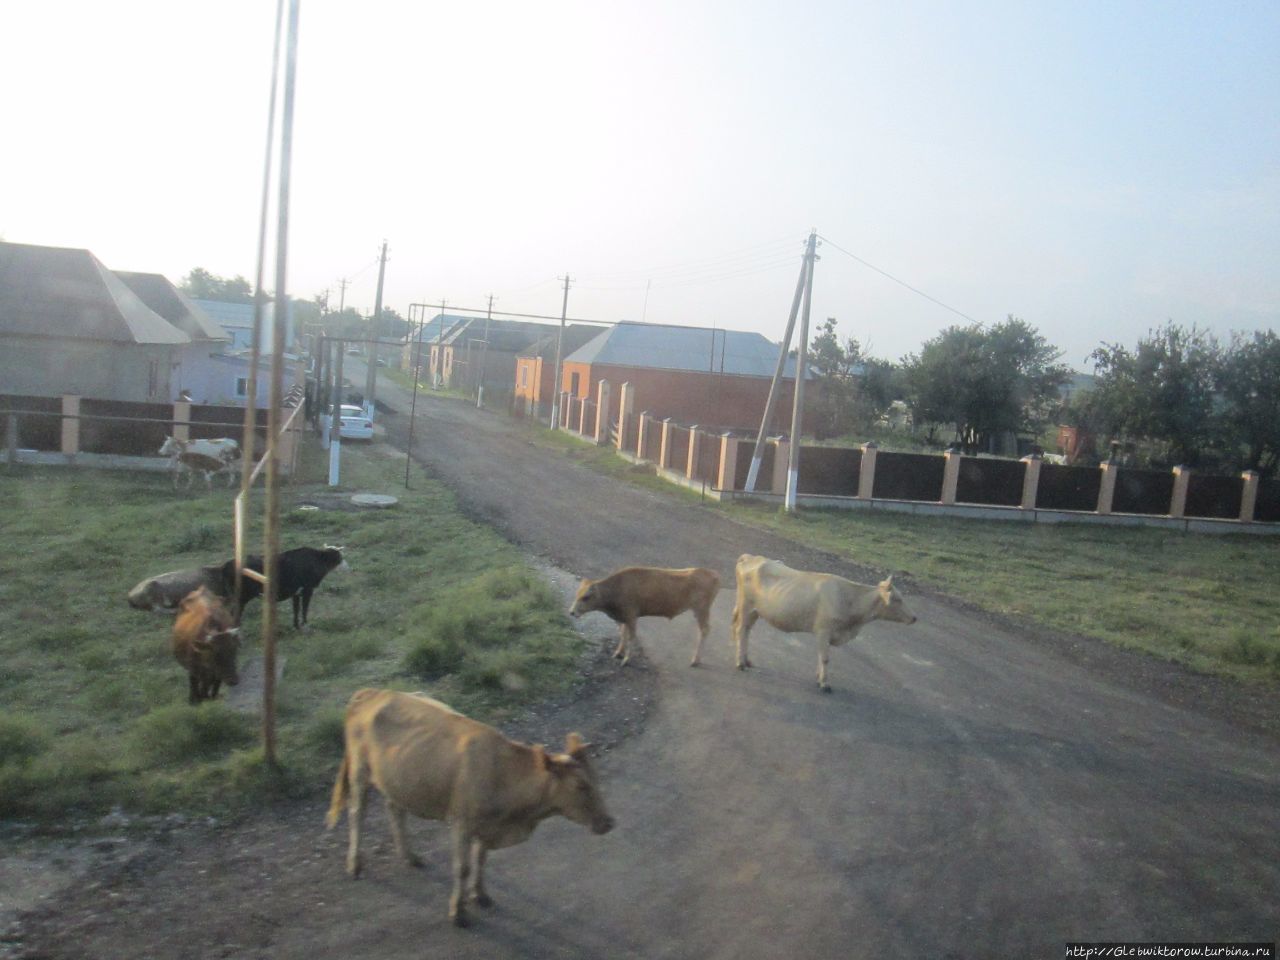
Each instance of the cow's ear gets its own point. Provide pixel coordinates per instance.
(545, 760)
(576, 747)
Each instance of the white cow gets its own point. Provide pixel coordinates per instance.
(795, 601)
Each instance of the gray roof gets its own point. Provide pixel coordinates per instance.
(430, 330)
(575, 336)
(65, 292)
(171, 303)
(696, 349)
(507, 335)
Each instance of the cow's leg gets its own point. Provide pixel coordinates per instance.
(306, 603)
(743, 621)
(193, 689)
(358, 793)
(824, 654)
(622, 642)
(478, 892)
(628, 640)
(396, 814)
(296, 602)
(461, 875)
(214, 686)
(704, 627)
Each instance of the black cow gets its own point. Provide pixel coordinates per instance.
(298, 573)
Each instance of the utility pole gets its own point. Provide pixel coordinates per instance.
(484, 353)
(438, 377)
(371, 376)
(342, 296)
(797, 408)
(555, 393)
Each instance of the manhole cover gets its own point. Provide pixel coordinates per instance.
(373, 500)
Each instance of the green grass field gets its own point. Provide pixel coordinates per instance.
(93, 709)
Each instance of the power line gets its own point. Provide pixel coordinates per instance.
(902, 283)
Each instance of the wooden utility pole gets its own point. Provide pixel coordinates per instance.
(769, 404)
(555, 393)
(371, 375)
(802, 365)
(342, 296)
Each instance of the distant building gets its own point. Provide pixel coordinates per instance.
(695, 375)
(237, 320)
(68, 325)
(535, 369)
(487, 349)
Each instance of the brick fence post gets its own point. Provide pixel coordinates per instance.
(950, 475)
(727, 474)
(781, 453)
(1178, 502)
(695, 447)
(664, 445)
(602, 413)
(867, 472)
(70, 425)
(1030, 482)
(641, 430)
(182, 420)
(626, 402)
(582, 415)
(1107, 489)
(1249, 495)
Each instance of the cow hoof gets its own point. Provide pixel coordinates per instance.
(414, 861)
(482, 900)
(695, 662)
(824, 687)
(460, 919)
(353, 868)
(617, 654)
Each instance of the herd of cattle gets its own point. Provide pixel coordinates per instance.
(431, 761)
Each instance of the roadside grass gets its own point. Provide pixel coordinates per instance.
(1209, 602)
(93, 710)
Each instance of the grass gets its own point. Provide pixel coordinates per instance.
(93, 708)
(1209, 602)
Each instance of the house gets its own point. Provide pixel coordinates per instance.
(201, 375)
(428, 339)
(535, 368)
(695, 375)
(486, 349)
(68, 325)
(237, 320)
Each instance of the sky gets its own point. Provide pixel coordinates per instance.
(1094, 168)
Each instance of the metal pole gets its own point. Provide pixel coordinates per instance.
(484, 354)
(555, 393)
(335, 416)
(413, 406)
(756, 457)
(797, 408)
(371, 375)
(437, 380)
(271, 539)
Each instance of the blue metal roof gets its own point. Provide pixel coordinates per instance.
(700, 349)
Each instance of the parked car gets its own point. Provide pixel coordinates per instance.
(356, 424)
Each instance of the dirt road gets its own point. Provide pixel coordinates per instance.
(964, 792)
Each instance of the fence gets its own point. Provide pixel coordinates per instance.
(993, 487)
(119, 434)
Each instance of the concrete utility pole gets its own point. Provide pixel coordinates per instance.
(802, 355)
(484, 353)
(555, 392)
(438, 378)
(769, 404)
(371, 377)
(342, 296)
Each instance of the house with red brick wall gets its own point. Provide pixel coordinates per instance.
(535, 369)
(694, 375)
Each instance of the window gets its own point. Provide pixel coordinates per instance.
(153, 378)
(524, 375)
(242, 386)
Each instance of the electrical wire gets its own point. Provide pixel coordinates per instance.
(902, 283)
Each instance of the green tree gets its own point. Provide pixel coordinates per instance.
(986, 381)
(200, 284)
(1162, 391)
(1249, 386)
(838, 404)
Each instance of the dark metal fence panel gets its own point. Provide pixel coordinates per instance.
(652, 440)
(990, 480)
(209, 422)
(678, 448)
(587, 419)
(707, 466)
(829, 471)
(124, 437)
(1143, 491)
(764, 480)
(908, 476)
(1068, 488)
(36, 432)
(633, 431)
(1210, 496)
(1267, 507)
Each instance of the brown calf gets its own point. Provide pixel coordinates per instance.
(633, 592)
(205, 640)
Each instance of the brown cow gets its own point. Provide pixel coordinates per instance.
(796, 601)
(205, 641)
(431, 761)
(633, 592)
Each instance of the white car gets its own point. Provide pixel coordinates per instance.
(356, 424)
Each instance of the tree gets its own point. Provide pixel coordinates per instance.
(200, 284)
(1249, 385)
(838, 403)
(985, 381)
(1163, 391)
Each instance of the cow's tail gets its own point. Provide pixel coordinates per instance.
(340, 790)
